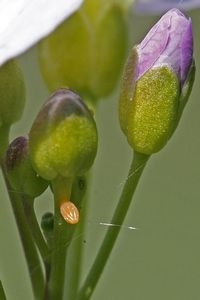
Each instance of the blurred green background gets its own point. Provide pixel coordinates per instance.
(161, 259)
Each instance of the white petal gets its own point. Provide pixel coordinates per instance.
(24, 22)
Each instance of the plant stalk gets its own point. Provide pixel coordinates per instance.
(137, 166)
(2, 293)
(36, 231)
(61, 240)
(30, 251)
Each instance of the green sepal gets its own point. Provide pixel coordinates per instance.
(152, 113)
(127, 88)
(186, 90)
(20, 172)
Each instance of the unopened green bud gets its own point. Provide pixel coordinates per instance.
(12, 100)
(21, 175)
(63, 137)
(87, 52)
(47, 225)
(47, 222)
(12, 93)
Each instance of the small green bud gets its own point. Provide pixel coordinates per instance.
(63, 138)
(19, 170)
(12, 100)
(87, 52)
(47, 222)
(47, 225)
(12, 93)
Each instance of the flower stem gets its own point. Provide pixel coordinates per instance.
(2, 293)
(57, 273)
(76, 249)
(32, 258)
(61, 240)
(137, 166)
(76, 259)
(4, 137)
(36, 232)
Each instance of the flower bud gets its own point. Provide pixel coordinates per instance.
(21, 175)
(63, 137)
(12, 100)
(87, 52)
(47, 222)
(47, 225)
(157, 82)
(12, 93)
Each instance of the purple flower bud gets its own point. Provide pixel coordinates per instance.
(169, 43)
(157, 82)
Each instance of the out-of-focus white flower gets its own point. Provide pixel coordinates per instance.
(23, 23)
(154, 7)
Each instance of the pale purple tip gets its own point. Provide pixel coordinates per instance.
(169, 42)
(157, 7)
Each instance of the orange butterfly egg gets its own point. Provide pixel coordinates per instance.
(69, 212)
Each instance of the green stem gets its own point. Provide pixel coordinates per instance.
(76, 259)
(62, 237)
(4, 138)
(137, 166)
(76, 249)
(2, 293)
(32, 258)
(57, 274)
(36, 232)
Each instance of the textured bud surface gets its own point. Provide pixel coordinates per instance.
(63, 138)
(152, 115)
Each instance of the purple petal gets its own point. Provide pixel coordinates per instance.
(186, 52)
(152, 46)
(154, 7)
(170, 43)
